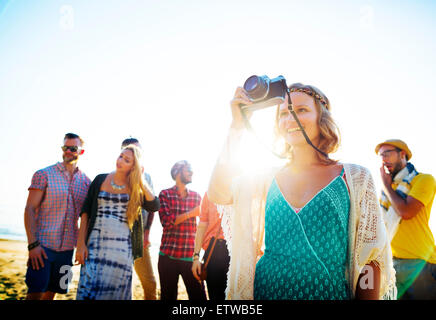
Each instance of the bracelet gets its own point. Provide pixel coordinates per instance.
(33, 245)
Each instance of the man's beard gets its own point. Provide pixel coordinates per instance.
(185, 181)
(397, 168)
(70, 160)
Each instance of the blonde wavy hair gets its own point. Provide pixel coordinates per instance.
(136, 186)
(330, 137)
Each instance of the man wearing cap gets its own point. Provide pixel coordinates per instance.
(179, 209)
(406, 200)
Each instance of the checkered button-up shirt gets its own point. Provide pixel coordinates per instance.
(177, 240)
(58, 214)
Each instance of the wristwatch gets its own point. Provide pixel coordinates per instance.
(196, 254)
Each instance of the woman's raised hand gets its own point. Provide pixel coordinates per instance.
(240, 98)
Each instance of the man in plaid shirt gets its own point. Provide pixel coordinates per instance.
(178, 212)
(55, 199)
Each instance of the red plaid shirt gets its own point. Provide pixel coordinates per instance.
(177, 240)
(58, 214)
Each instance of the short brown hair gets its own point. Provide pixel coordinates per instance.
(74, 136)
(128, 141)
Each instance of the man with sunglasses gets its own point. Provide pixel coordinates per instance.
(406, 201)
(56, 195)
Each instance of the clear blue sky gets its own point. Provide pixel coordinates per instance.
(165, 71)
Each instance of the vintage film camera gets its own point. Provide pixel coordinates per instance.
(264, 92)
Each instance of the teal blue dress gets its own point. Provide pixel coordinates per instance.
(305, 253)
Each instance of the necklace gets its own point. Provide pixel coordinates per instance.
(115, 186)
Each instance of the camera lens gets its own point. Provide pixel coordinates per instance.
(251, 83)
(256, 87)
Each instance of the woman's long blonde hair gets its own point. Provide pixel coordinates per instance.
(136, 186)
(329, 139)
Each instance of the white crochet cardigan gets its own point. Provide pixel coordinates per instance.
(242, 199)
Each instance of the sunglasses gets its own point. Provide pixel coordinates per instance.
(71, 148)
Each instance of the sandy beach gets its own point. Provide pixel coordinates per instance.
(13, 258)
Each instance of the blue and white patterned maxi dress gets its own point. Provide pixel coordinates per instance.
(107, 273)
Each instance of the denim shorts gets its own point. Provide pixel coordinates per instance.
(56, 274)
(416, 279)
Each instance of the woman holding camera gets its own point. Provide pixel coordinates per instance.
(311, 229)
(110, 235)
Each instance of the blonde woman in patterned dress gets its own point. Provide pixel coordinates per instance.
(310, 230)
(110, 235)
